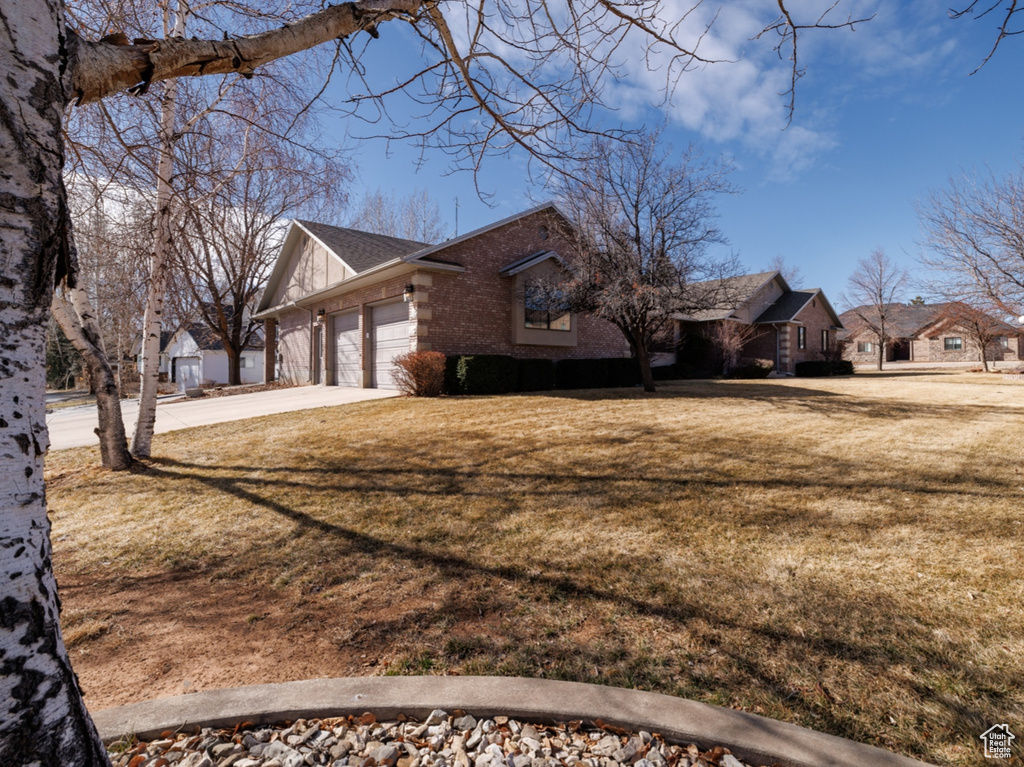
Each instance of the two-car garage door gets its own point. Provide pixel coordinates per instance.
(389, 337)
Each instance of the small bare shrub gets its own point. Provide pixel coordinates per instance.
(420, 374)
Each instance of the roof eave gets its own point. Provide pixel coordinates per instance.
(397, 266)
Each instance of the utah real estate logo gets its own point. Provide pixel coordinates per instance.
(997, 741)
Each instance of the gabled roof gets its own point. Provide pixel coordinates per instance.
(209, 341)
(361, 250)
(787, 307)
(903, 320)
(730, 293)
(375, 253)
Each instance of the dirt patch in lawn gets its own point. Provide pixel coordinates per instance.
(841, 554)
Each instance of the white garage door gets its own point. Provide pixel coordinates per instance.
(390, 328)
(347, 368)
(187, 372)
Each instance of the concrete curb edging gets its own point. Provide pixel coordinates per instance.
(750, 737)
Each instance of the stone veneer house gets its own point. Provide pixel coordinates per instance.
(790, 326)
(924, 333)
(341, 304)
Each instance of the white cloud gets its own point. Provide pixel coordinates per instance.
(740, 102)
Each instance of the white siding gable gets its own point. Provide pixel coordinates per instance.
(182, 345)
(309, 267)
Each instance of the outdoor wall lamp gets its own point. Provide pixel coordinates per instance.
(320, 316)
(407, 293)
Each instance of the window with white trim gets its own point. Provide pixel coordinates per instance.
(953, 343)
(865, 346)
(801, 337)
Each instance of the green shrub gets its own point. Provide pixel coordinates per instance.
(536, 375)
(623, 371)
(674, 372)
(664, 373)
(750, 371)
(486, 374)
(842, 368)
(581, 374)
(451, 376)
(685, 370)
(822, 368)
(751, 368)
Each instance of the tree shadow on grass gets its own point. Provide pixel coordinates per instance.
(747, 644)
(797, 397)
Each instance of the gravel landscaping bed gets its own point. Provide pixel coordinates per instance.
(443, 740)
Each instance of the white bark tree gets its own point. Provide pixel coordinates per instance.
(74, 312)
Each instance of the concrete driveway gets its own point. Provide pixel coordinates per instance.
(74, 426)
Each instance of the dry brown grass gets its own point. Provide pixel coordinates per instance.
(843, 554)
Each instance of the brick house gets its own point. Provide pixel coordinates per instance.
(925, 333)
(341, 304)
(785, 326)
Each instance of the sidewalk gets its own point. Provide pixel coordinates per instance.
(74, 426)
(897, 365)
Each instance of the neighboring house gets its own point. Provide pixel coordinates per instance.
(341, 304)
(164, 366)
(195, 356)
(786, 326)
(924, 333)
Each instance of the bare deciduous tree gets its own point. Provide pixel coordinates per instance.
(416, 216)
(641, 224)
(980, 327)
(974, 241)
(875, 290)
(239, 189)
(790, 273)
(728, 338)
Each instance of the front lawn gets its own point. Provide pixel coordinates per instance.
(844, 554)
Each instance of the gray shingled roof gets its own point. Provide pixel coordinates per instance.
(787, 307)
(903, 320)
(362, 250)
(730, 293)
(209, 341)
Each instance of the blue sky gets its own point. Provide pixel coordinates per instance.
(885, 114)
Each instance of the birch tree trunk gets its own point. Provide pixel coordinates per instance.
(142, 440)
(78, 321)
(43, 720)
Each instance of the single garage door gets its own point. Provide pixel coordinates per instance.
(347, 368)
(390, 334)
(187, 371)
